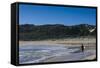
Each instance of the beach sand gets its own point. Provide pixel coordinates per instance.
(88, 54)
(62, 41)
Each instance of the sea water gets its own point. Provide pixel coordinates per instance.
(38, 53)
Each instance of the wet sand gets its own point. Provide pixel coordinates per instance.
(61, 54)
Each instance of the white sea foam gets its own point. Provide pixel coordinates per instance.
(39, 53)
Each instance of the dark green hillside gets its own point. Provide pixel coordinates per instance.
(54, 31)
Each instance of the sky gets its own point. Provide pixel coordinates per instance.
(40, 15)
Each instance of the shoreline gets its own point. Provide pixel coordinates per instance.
(67, 42)
(60, 54)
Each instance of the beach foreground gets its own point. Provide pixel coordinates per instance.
(56, 50)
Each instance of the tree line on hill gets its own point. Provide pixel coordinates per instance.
(54, 31)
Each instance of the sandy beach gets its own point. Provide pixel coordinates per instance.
(62, 41)
(57, 50)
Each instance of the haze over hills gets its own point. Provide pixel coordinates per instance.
(54, 31)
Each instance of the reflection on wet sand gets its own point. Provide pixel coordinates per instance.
(38, 53)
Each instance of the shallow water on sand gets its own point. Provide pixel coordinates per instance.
(40, 53)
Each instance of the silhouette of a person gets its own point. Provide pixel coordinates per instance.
(82, 48)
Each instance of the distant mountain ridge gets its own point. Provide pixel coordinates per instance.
(51, 31)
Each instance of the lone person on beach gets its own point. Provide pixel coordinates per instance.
(82, 48)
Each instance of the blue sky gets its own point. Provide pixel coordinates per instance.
(39, 15)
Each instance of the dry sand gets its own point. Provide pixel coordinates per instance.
(67, 42)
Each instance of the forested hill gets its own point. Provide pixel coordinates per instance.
(54, 31)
